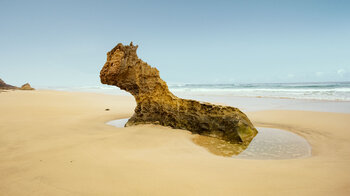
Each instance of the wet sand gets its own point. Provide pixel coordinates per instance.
(269, 143)
(57, 143)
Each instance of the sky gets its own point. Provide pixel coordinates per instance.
(64, 43)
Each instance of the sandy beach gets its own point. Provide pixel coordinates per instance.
(175, 98)
(57, 143)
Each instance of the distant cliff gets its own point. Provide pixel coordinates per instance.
(5, 86)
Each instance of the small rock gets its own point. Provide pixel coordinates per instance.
(26, 86)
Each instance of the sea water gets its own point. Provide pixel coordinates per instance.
(329, 91)
(332, 91)
(269, 143)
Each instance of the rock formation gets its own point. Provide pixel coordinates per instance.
(5, 86)
(157, 105)
(26, 86)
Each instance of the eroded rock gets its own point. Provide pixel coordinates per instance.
(157, 105)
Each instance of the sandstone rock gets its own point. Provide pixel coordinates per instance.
(5, 86)
(26, 86)
(157, 105)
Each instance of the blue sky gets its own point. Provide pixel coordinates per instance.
(62, 43)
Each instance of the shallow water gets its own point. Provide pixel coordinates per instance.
(276, 144)
(120, 123)
(269, 143)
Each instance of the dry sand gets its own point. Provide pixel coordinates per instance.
(57, 143)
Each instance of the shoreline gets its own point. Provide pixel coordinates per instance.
(57, 143)
(112, 91)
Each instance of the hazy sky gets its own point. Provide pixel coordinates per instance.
(60, 43)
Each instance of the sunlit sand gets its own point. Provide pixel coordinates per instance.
(58, 143)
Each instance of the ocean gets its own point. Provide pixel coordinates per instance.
(329, 91)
